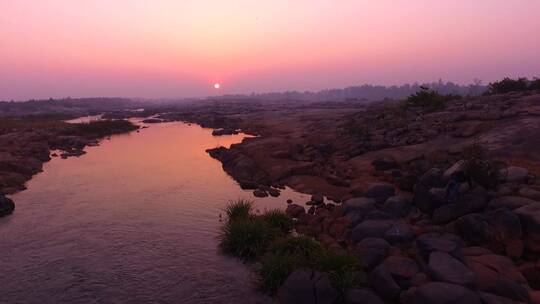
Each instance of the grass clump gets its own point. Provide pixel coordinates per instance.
(479, 166)
(239, 209)
(428, 98)
(279, 220)
(343, 268)
(246, 238)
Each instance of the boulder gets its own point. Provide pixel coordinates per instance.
(380, 192)
(497, 274)
(529, 193)
(372, 251)
(440, 293)
(429, 242)
(472, 201)
(510, 202)
(317, 199)
(397, 206)
(362, 204)
(370, 228)
(384, 163)
(305, 286)
(399, 234)
(531, 272)
(445, 268)
(489, 298)
(392, 276)
(428, 199)
(294, 210)
(530, 220)
(362, 296)
(456, 167)
(514, 174)
(6, 205)
(260, 193)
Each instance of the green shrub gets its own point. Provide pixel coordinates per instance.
(428, 98)
(100, 128)
(246, 238)
(343, 268)
(279, 220)
(304, 247)
(479, 166)
(275, 269)
(239, 209)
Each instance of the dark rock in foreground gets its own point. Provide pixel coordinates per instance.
(6, 205)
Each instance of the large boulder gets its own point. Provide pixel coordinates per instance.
(399, 234)
(6, 205)
(305, 286)
(440, 293)
(384, 163)
(510, 202)
(362, 296)
(472, 201)
(499, 230)
(430, 242)
(294, 210)
(380, 192)
(443, 267)
(529, 193)
(372, 251)
(489, 298)
(370, 228)
(362, 204)
(514, 174)
(497, 274)
(393, 276)
(530, 220)
(397, 206)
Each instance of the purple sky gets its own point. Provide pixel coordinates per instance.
(167, 48)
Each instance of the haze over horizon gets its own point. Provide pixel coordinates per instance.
(166, 48)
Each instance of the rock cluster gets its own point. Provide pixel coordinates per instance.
(421, 248)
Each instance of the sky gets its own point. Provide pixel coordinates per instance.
(181, 48)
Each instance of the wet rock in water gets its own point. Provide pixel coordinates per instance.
(530, 220)
(370, 228)
(152, 121)
(380, 192)
(514, 174)
(260, 193)
(274, 192)
(294, 210)
(362, 296)
(446, 268)
(397, 206)
(6, 205)
(498, 275)
(510, 202)
(305, 286)
(289, 201)
(372, 251)
(440, 293)
(393, 276)
(221, 132)
(317, 199)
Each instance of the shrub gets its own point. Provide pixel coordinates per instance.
(535, 84)
(279, 220)
(304, 247)
(239, 209)
(508, 85)
(428, 98)
(479, 166)
(343, 268)
(246, 238)
(275, 269)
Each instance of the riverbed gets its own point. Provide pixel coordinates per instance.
(134, 220)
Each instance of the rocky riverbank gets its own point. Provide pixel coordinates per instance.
(26, 142)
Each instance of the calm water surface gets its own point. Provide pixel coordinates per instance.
(134, 220)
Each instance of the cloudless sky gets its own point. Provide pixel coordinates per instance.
(180, 48)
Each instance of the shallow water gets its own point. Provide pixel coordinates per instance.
(134, 220)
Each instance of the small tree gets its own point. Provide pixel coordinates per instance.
(428, 98)
(508, 85)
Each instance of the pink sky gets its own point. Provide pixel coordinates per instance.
(168, 48)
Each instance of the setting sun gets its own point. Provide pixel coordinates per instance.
(217, 86)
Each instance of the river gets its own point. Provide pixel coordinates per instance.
(135, 220)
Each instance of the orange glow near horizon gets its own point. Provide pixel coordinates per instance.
(166, 48)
